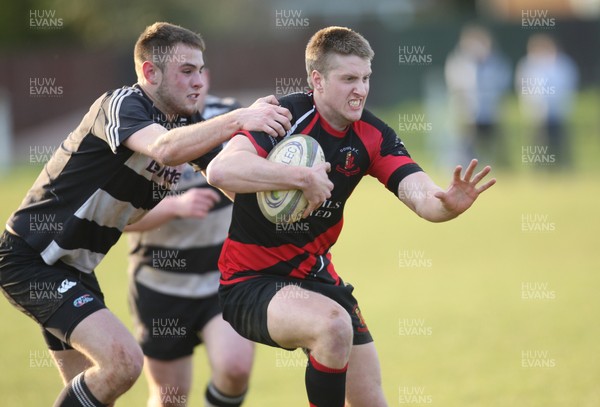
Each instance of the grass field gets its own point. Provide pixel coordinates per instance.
(497, 308)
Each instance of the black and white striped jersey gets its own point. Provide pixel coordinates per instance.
(93, 186)
(180, 257)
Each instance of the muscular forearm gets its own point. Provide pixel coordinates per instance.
(418, 192)
(187, 143)
(431, 209)
(243, 172)
(430, 202)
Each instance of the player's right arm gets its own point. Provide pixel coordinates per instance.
(184, 144)
(239, 168)
(432, 203)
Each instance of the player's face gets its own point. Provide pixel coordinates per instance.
(341, 93)
(182, 80)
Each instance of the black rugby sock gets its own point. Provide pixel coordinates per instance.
(325, 386)
(77, 394)
(213, 397)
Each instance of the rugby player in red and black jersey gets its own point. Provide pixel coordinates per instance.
(278, 284)
(106, 174)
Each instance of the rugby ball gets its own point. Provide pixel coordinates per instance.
(287, 206)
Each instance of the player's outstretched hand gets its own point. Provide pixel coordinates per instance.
(196, 202)
(266, 115)
(318, 187)
(463, 191)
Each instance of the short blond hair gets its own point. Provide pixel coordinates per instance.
(334, 40)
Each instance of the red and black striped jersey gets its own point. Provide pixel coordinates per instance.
(301, 250)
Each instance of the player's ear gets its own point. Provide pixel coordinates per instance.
(151, 73)
(317, 80)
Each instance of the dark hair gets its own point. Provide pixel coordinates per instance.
(160, 39)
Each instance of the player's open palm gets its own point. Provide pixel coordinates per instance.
(463, 191)
(196, 202)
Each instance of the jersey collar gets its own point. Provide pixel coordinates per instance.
(329, 128)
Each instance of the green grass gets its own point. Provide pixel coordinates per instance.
(465, 291)
(466, 294)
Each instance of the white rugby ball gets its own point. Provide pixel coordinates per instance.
(287, 206)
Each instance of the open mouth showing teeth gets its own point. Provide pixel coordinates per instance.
(355, 103)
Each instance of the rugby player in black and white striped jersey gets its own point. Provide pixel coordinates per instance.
(174, 278)
(132, 142)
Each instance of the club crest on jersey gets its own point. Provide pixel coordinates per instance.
(349, 168)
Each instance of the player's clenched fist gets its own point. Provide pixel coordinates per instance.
(318, 186)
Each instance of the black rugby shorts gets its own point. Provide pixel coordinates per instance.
(245, 305)
(58, 296)
(167, 326)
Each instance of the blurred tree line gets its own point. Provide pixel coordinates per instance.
(100, 23)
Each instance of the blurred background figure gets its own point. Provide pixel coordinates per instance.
(477, 77)
(546, 81)
(173, 282)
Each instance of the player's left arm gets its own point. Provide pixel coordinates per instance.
(194, 203)
(431, 202)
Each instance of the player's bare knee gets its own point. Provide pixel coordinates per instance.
(337, 332)
(125, 366)
(234, 373)
(232, 382)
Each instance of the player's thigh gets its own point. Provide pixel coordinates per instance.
(363, 379)
(106, 341)
(228, 352)
(169, 376)
(70, 363)
(297, 317)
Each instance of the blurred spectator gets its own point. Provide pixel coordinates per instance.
(546, 81)
(477, 76)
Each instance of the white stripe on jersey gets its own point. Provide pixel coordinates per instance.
(179, 284)
(82, 259)
(300, 120)
(139, 164)
(113, 124)
(105, 210)
(108, 211)
(188, 233)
